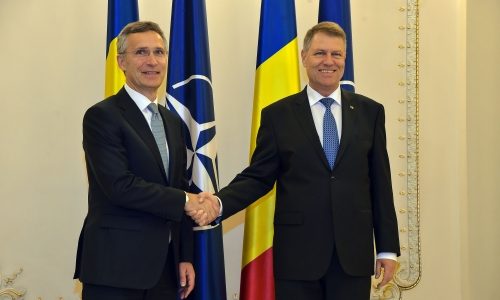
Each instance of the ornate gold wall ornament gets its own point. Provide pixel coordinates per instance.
(388, 292)
(409, 272)
(409, 269)
(7, 291)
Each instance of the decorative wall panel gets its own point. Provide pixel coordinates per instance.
(406, 183)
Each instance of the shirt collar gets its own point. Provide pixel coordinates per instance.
(314, 96)
(140, 100)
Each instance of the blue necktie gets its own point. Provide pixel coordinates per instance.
(159, 134)
(330, 133)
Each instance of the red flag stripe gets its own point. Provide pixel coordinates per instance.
(257, 279)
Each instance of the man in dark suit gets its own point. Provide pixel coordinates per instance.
(327, 212)
(136, 242)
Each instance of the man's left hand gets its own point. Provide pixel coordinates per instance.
(389, 267)
(186, 277)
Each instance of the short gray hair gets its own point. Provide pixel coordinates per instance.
(137, 27)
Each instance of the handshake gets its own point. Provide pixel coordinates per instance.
(203, 208)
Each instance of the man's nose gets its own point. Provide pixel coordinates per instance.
(329, 59)
(151, 59)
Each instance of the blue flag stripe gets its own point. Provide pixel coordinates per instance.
(280, 30)
(120, 13)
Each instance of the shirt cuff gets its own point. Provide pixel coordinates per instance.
(387, 255)
(220, 205)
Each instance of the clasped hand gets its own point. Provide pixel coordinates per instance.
(202, 208)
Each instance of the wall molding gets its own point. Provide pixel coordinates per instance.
(407, 200)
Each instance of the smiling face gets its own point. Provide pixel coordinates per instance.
(144, 62)
(324, 61)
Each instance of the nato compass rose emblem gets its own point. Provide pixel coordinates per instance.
(192, 100)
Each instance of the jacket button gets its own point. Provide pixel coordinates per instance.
(332, 177)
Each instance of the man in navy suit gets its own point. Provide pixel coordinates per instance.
(137, 242)
(327, 213)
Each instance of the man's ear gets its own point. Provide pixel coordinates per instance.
(303, 56)
(121, 62)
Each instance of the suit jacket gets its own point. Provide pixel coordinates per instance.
(133, 209)
(318, 210)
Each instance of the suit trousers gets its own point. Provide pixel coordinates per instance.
(165, 289)
(334, 285)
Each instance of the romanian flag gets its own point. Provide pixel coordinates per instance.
(189, 94)
(120, 13)
(339, 11)
(277, 76)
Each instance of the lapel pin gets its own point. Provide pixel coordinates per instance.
(350, 106)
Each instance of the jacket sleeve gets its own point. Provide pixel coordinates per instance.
(384, 215)
(259, 177)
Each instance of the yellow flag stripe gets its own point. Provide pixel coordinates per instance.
(258, 227)
(275, 79)
(115, 78)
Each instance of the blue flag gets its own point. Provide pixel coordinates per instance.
(189, 94)
(339, 11)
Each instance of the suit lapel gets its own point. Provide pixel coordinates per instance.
(348, 122)
(304, 116)
(136, 119)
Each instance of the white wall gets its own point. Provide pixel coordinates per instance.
(483, 145)
(52, 58)
(442, 149)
